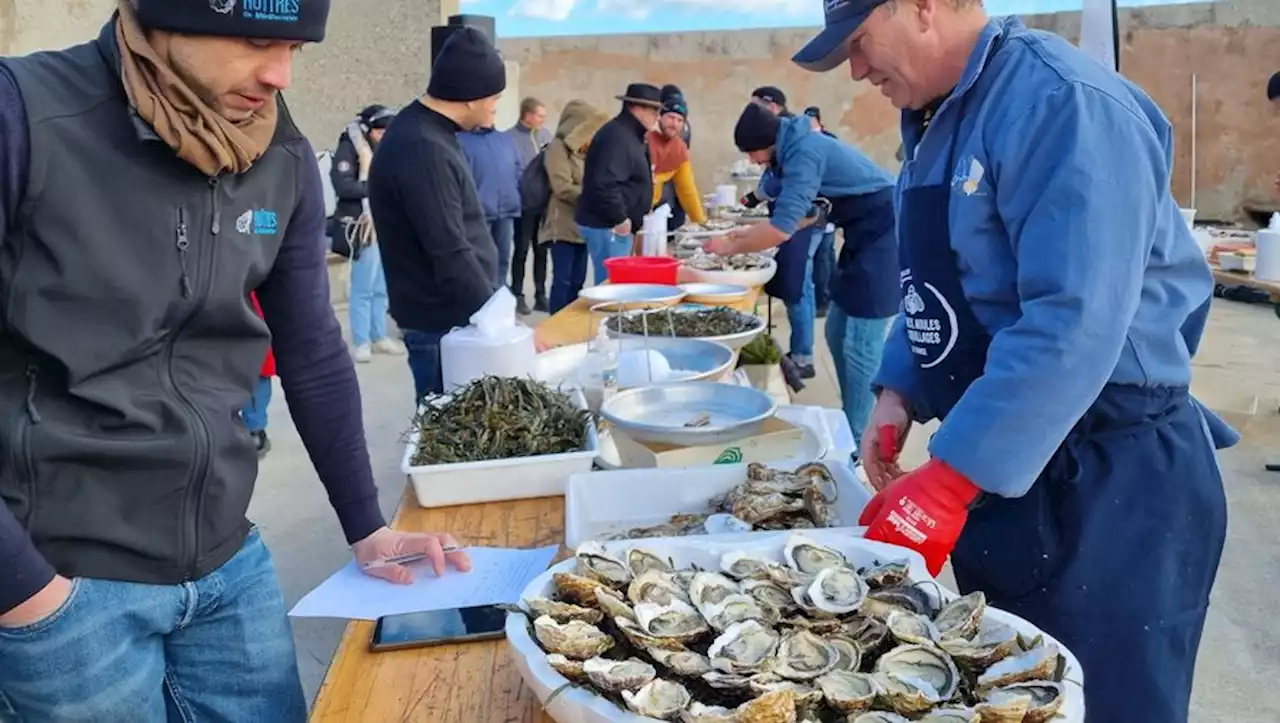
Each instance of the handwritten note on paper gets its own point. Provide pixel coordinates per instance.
(497, 576)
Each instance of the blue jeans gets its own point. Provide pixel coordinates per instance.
(255, 412)
(424, 361)
(368, 306)
(824, 267)
(602, 244)
(802, 314)
(215, 649)
(568, 273)
(857, 346)
(503, 231)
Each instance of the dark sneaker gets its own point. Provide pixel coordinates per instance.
(522, 308)
(540, 304)
(806, 371)
(263, 444)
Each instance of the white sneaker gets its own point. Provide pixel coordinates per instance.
(387, 345)
(364, 354)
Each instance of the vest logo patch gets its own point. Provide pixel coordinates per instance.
(285, 11)
(223, 7)
(259, 222)
(968, 176)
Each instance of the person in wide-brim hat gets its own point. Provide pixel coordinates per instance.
(643, 94)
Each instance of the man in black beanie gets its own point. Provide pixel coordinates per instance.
(773, 99)
(150, 182)
(440, 259)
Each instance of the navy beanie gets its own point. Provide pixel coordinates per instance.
(468, 68)
(1273, 87)
(295, 20)
(757, 128)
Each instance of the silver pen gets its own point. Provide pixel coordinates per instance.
(406, 558)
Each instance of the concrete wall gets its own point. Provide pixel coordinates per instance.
(1232, 47)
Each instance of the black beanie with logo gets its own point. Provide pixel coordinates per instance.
(296, 20)
(757, 128)
(468, 68)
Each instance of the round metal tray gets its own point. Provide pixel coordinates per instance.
(704, 293)
(733, 341)
(623, 296)
(658, 414)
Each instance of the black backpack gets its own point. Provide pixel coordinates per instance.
(535, 187)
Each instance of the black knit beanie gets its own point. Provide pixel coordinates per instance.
(1273, 87)
(296, 20)
(670, 90)
(757, 128)
(468, 68)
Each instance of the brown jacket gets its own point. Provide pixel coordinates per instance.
(565, 158)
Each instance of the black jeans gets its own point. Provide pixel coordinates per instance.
(526, 241)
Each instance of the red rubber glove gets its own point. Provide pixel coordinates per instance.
(924, 510)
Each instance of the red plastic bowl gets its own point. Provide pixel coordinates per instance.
(642, 270)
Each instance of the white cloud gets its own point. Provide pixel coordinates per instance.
(544, 9)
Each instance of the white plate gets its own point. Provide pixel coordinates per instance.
(751, 278)
(577, 705)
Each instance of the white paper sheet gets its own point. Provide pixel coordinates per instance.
(497, 576)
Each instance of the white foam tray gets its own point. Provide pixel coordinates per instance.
(464, 483)
(577, 705)
(600, 504)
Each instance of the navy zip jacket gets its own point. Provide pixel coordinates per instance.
(496, 168)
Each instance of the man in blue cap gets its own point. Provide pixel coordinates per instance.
(1052, 300)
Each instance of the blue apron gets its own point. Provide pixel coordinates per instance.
(792, 259)
(865, 281)
(1114, 549)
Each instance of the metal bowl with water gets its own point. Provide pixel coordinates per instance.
(689, 413)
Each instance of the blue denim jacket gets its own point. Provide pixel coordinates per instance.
(1071, 249)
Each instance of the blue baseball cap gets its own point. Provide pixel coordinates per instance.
(842, 18)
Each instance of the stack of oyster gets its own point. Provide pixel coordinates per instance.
(769, 499)
(805, 639)
(704, 261)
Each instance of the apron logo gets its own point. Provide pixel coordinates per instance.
(968, 175)
(932, 326)
(260, 222)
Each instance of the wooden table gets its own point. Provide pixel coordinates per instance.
(471, 682)
(1245, 278)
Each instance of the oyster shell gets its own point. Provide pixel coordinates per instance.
(887, 574)
(700, 713)
(848, 692)
(641, 561)
(745, 647)
(917, 678)
(571, 669)
(636, 635)
(850, 653)
(952, 715)
(708, 588)
(656, 586)
(815, 503)
(804, 656)
(805, 695)
(575, 639)
(1036, 664)
(1047, 698)
(776, 707)
(734, 609)
(576, 588)
(596, 563)
(684, 663)
(613, 605)
(961, 617)
(756, 508)
(879, 716)
(994, 642)
(726, 681)
(807, 556)
(880, 603)
(873, 635)
(613, 676)
(787, 577)
(768, 594)
(838, 590)
(661, 699)
(678, 620)
(912, 629)
(563, 612)
(1005, 708)
(742, 566)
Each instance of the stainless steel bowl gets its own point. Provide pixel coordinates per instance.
(691, 359)
(657, 331)
(704, 293)
(659, 414)
(624, 296)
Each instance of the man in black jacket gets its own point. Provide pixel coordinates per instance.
(617, 179)
(440, 259)
(351, 229)
(150, 181)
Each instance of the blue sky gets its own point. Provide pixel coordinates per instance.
(517, 18)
